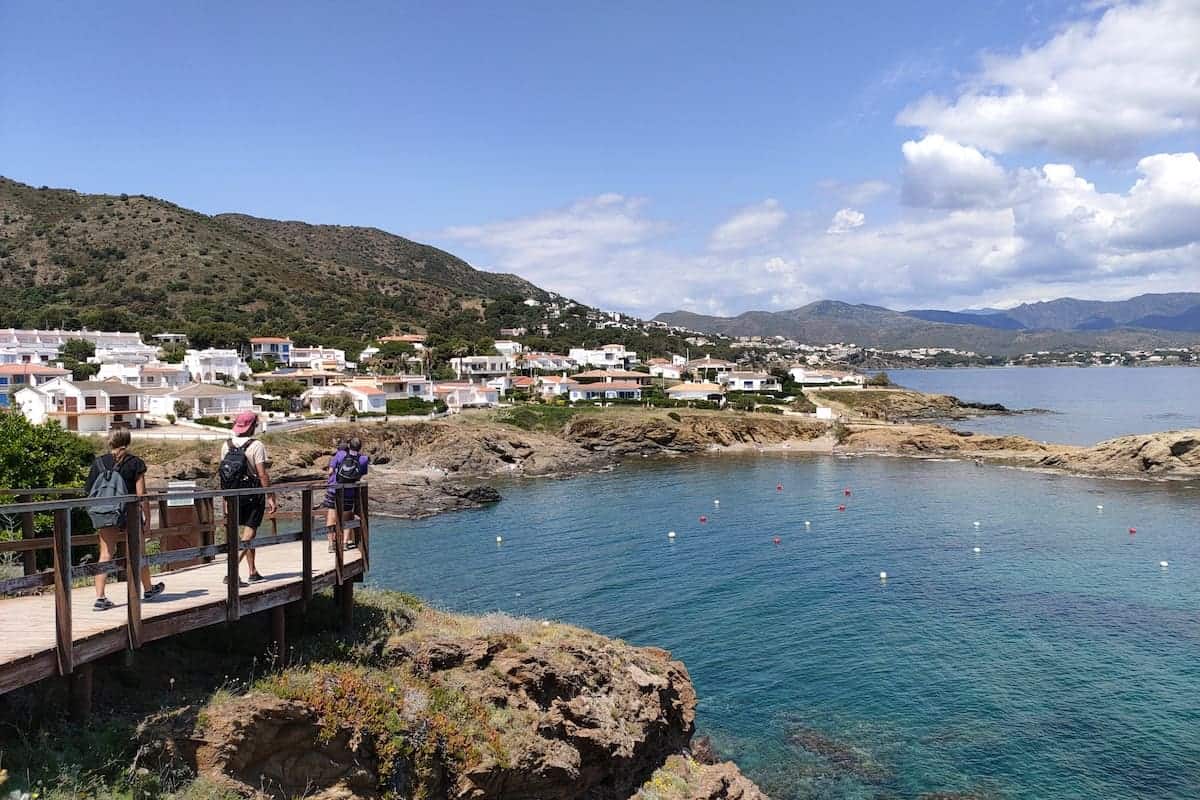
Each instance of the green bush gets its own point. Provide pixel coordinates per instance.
(768, 410)
(214, 422)
(411, 405)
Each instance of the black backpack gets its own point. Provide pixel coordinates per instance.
(350, 470)
(235, 470)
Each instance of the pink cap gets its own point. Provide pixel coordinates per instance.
(243, 422)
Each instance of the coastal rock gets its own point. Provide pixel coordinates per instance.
(896, 404)
(652, 434)
(682, 778)
(1168, 455)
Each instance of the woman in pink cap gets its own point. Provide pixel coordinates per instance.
(244, 463)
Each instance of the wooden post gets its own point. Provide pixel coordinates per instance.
(62, 591)
(81, 692)
(133, 569)
(279, 634)
(29, 558)
(162, 514)
(306, 544)
(346, 600)
(233, 552)
(339, 534)
(205, 516)
(364, 528)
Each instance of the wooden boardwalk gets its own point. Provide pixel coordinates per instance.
(59, 633)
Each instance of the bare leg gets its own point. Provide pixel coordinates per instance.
(248, 536)
(331, 525)
(108, 545)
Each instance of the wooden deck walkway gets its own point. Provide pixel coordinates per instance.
(57, 632)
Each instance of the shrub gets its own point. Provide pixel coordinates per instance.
(675, 416)
(410, 405)
(879, 379)
(183, 409)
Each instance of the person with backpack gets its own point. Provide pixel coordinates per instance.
(348, 466)
(244, 463)
(116, 474)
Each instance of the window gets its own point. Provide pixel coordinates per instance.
(18, 379)
(89, 402)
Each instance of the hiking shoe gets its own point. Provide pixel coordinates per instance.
(103, 604)
(255, 577)
(351, 545)
(154, 591)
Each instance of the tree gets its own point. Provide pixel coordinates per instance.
(174, 353)
(77, 350)
(257, 365)
(879, 379)
(339, 405)
(283, 388)
(35, 456)
(183, 409)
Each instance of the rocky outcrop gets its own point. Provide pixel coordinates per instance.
(1170, 455)
(453, 707)
(656, 433)
(683, 778)
(935, 440)
(894, 404)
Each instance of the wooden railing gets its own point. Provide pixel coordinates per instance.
(63, 573)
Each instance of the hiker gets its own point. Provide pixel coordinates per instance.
(347, 466)
(114, 474)
(244, 463)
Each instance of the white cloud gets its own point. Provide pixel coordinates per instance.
(749, 226)
(856, 194)
(846, 220)
(1095, 89)
(939, 173)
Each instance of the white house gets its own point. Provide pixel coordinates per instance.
(367, 399)
(211, 364)
(807, 376)
(509, 348)
(401, 387)
(152, 375)
(203, 399)
(714, 392)
(84, 406)
(44, 345)
(709, 367)
(277, 349)
(555, 385)
(545, 362)
(326, 358)
(417, 340)
(458, 396)
(750, 382)
(608, 356)
(14, 377)
(480, 368)
(610, 375)
(608, 390)
(665, 369)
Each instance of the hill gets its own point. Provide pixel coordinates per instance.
(1007, 333)
(133, 262)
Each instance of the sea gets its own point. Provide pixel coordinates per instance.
(1073, 405)
(1037, 636)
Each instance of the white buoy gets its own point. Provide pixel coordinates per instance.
(976, 523)
(716, 502)
(807, 524)
(978, 549)
(1164, 564)
(883, 576)
(499, 539)
(1099, 507)
(671, 535)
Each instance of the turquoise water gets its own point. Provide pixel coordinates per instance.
(1061, 661)
(1092, 404)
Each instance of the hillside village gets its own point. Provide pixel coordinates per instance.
(92, 381)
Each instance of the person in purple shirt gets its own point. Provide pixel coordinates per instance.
(347, 467)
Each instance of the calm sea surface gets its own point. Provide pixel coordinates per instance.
(1060, 661)
(1092, 404)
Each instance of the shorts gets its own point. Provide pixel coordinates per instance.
(251, 509)
(348, 501)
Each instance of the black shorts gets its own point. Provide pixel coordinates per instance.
(251, 509)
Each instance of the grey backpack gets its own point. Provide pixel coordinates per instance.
(109, 483)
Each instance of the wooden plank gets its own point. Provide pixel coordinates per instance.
(35, 581)
(306, 542)
(364, 538)
(27, 544)
(16, 674)
(65, 643)
(339, 534)
(233, 557)
(183, 554)
(28, 532)
(96, 568)
(206, 518)
(279, 538)
(133, 559)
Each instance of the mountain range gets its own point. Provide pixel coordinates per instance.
(1142, 322)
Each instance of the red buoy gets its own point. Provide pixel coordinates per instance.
(779, 487)
(1132, 531)
(846, 492)
(841, 508)
(777, 540)
(703, 518)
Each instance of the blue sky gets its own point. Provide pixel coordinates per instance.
(646, 157)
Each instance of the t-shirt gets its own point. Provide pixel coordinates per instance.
(338, 458)
(256, 453)
(130, 468)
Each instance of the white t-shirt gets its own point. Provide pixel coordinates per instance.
(256, 453)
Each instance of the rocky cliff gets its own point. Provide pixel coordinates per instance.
(1169, 455)
(446, 706)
